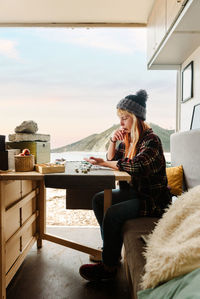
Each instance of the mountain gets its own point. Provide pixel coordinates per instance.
(99, 142)
(164, 135)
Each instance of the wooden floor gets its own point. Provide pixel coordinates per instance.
(53, 271)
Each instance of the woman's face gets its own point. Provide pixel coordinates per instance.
(126, 122)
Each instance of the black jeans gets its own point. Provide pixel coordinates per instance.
(125, 206)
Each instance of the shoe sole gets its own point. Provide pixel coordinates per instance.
(98, 279)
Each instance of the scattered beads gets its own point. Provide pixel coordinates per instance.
(84, 167)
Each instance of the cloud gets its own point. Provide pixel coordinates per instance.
(8, 48)
(60, 97)
(121, 40)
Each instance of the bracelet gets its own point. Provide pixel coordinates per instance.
(112, 140)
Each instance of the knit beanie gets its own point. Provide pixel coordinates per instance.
(135, 104)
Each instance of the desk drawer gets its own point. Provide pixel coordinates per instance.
(28, 209)
(11, 192)
(12, 252)
(28, 186)
(12, 222)
(28, 234)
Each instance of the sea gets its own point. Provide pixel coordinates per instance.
(79, 156)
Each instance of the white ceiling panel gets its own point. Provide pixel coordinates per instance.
(60, 12)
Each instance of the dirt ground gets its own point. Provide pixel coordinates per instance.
(57, 214)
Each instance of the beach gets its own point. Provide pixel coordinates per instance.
(57, 214)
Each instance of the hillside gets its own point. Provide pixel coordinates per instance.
(164, 135)
(99, 142)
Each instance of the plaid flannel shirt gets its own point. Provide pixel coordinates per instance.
(148, 172)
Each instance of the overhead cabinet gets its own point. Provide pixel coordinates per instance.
(161, 19)
(156, 26)
(174, 7)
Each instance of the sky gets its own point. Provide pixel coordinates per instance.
(69, 80)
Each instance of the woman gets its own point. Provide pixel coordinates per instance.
(140, 154)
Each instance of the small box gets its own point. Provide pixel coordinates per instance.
(41, 150)
(49, 168)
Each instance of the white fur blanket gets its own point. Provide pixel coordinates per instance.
(173, 248)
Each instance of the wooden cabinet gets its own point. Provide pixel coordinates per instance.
(28, 209)
(174, 7)
(27, 186)
(160, 25)
(27, 235)
(160, 21)
(20, 201)
(12, 192)
(151, 35)
(12, 252)
(156, 26)
(19, 222)
(12, 222)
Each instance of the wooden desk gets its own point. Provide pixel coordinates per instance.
(23, 220)
(101, 178)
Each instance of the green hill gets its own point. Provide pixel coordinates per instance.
(99, 142)
(164, 135)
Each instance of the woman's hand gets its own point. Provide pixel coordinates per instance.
(118, 135)
(94, 160)
(102, 162)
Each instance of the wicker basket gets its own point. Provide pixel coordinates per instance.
(24, 163)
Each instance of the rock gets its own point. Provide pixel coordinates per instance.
(28, 126)
(28, 137)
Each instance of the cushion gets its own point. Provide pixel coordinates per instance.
(182, 287)
(134, 246)
(184, 148)
(173, 247)
(175, 179)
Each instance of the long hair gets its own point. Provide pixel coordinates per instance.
(138, 128)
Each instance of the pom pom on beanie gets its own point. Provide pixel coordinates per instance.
(135, 104)
(142, 96)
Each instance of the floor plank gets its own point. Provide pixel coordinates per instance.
(53, 271)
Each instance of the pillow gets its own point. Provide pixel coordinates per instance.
(175, 179)
(184, 287)
(173, 247)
